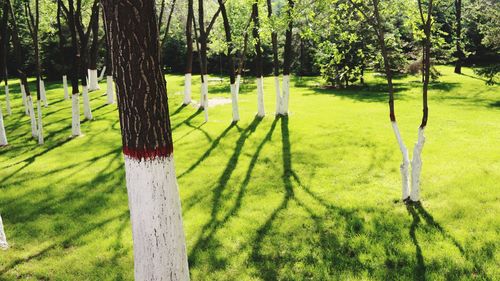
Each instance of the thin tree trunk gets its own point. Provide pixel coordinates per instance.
(4, 46)
(460, 52)
(189, 54)
(287, 60)
(276, 66)
(158, 236)
(62, 50)
(94, 49)
(258, 61)
(110, 93)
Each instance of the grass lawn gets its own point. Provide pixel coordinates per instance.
(310, 197)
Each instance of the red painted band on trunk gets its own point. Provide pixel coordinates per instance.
(148, 153)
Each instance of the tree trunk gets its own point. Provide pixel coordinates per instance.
(276, 66)
(258, 61)
(159, 243)
(62, 50)
(232, 77)
(110, 92)
(287, 60)
(94, 49)
(189, 54)
(460, 52)
(203, 53)
(3, 240)
(4, 45)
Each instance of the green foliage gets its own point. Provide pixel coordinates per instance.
(489, 72)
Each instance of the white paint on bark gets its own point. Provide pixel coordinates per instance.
(3, 141)
(416, 166)
(75, 116)
(103, 71)
(404, 167)
(234, 100)
(34, 128)
(238, 80)
(187, 89)
(3, 239)
(87, 112)
(286, 94)
(155, 212)
(7, 99)
(23, 95)
(65, 85)
(260, 97)
(204, 96)
(39, 123)
(278, 95)
(110, 89)
(43, 94)
(93, 85)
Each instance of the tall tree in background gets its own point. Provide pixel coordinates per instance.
(258, 60)
(71, 18)
(232, 77)
(110, 92)
(458, 34)
(276, 64)
(189, 53)
(34, 24)
(84, 35)
(4, 47)
(25, 90)
(159, 243)
(287, 60)
(94, 52)
(62, 49)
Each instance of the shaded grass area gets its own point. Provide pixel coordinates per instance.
(313, 196)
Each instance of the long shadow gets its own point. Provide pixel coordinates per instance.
(213, 224)
(214, 144)
(191, 117)
(178, 110)
(420, 269)
(376, 92)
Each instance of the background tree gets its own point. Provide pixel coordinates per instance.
(159, 244)
(258, 59)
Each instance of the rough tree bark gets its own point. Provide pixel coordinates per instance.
(110, 93)
(62, 50)
(276, 65)
(4, 46)
(287, 60)
(159, 243)
(258, 60)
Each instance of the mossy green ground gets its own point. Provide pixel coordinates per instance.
(310, 197)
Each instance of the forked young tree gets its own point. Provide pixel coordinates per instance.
(75, 66)
(25, 90)
(158, 236)
(189, 53)
(373, 15)
(258, 60)
(94, 52)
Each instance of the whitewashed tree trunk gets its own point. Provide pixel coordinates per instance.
(40, 124)
(23, 95)
(93, 85)
(110, 90)
(187, 89)
(238, 80)
(75, 116)
(416, 166)
(3, 141)
(204, 96)
(3, 239)
(234, 99)
(87, 112)
(43, 95)
(260, 97)
(7, 100)
(103, 71)
(65, 85)
(404, 167)
(155, 212)
(286, 94)
(34, 129)
(278, 95)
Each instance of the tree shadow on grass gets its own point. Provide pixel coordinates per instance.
(374, 92)
(205, 240)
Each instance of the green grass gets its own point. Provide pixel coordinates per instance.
(309, 197)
